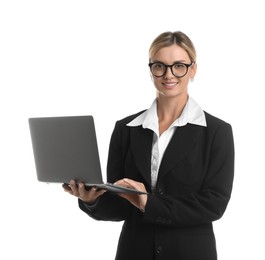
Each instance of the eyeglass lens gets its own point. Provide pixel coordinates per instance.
(177, 69)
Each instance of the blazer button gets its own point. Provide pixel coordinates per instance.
(160, 191)
(164, 221)
(158, 219)
(169, 222)
(159, 249)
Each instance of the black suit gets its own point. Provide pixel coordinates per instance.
(193, 188)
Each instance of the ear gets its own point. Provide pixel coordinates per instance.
(151, 76)
(193, 71)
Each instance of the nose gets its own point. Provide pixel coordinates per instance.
(168, 74)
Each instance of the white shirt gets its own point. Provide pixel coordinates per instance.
(192, 113)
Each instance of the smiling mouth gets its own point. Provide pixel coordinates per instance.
(170, 85)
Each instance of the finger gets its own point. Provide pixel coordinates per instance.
(125, 196)
(66, 187)
(120, 183)
(85, 193)
(123, 183)
(89, 195)
(74, 188)
(136, 185)
(132, 183)
(98, 192)
(82, 190)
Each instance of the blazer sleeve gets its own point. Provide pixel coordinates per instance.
(209, 203)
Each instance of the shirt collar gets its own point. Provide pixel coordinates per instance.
(192, 113)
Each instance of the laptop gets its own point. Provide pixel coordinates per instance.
(65, 148)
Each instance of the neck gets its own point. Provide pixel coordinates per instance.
(170, 108)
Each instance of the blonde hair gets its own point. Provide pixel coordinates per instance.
(169, 38)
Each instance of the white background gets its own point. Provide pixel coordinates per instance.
(90, 57)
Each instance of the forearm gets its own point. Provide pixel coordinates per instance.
(108, 207)
(196, 209)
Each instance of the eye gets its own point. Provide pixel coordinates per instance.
(158, 66)
(179, 66)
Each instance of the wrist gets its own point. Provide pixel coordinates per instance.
(143, 202)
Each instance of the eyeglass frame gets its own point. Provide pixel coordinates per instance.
(150, 64)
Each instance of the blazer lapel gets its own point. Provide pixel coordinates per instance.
(141, 143)
(181, 142)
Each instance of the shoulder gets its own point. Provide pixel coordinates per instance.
(121, 131)
(214, 122)
(121, 127)
(124, 121)
(218, 128)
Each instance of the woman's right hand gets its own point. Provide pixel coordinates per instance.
(79, 190)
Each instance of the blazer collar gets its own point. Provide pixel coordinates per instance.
(141, 143)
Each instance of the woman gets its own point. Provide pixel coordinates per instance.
(180, 155)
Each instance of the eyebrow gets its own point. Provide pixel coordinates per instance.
(177, 61)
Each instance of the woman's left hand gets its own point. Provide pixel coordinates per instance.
(138, 201)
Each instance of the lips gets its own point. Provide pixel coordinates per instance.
(169, 84)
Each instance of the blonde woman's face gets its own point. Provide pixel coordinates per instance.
(170, 85)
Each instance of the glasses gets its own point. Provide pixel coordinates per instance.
(178, 69)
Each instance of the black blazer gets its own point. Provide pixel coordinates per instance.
(193, 189)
